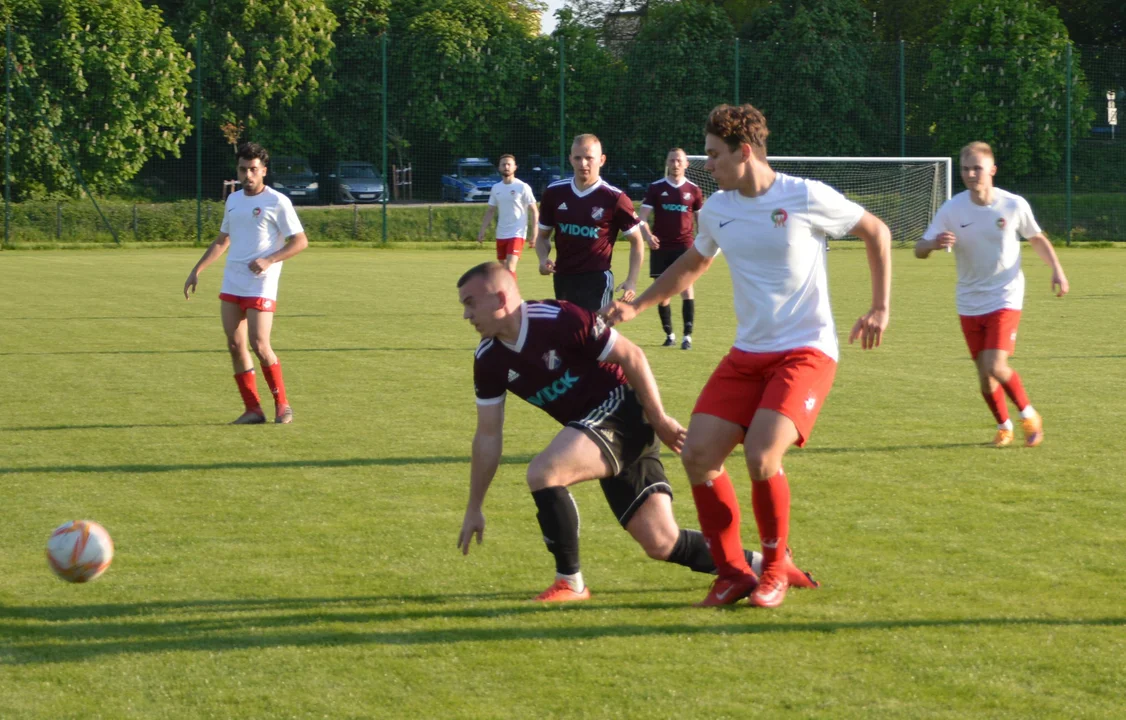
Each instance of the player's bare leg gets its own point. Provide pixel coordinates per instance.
(235, 328)
(709, 442)
(260, 325)
(570, 457)
(997, 379)
(771, 434)
(510, 263)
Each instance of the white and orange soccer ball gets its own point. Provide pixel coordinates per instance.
(79, 551)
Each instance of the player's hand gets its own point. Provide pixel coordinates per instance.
(945, 241)
(629, 290)
(532, 242)
(617, 312)
(473, 524)
(259, 265)
(870, 329)
(480, 239)
(1060, 280)
(671, 432)
(191, 282)
(547, 267)
(654, 242)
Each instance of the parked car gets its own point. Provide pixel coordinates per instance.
(470, 180)
(292, 177)
(539, 171)
(632, 179)
(354, 181)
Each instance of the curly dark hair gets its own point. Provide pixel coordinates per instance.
(738, 125)
(254, 151)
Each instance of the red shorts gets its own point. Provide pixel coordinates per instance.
(794, 383)
(509, 246)
(250, 303)
(994, 331)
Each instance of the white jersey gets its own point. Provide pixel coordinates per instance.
(988, 250)
(775, 246)
(258, 226)
(512, 201)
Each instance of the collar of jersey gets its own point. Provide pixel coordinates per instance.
(588, 191)
(523, 330)
(682, 181)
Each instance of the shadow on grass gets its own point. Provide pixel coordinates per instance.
(43, 428)
(259, 465)
(74, 634)
(76, 318)
(283, 351)
(887, 448)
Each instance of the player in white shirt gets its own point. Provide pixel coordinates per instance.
(261, 229)
(982, 225)
(767, 391)
(514, 206)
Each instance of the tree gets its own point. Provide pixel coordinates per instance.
(825, 88)
(1093, 22)
(1005, 82)
(908, 20)
(102, 81)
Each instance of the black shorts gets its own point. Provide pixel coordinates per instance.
(660, 259)
(631, 448)
(590, 290)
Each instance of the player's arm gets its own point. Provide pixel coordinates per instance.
(543, 249)
(534, 220)
(293, 244)
(936, 237)
(635, 365)
(652, 240)
(680, 275)
(877, 242)
(487, 446)
(1043, 247)
(210, 255)
(487, 221)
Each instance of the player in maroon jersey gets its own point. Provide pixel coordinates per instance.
(674, 202)
(598, 385)
(587, 214)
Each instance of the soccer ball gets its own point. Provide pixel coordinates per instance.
(79, 551)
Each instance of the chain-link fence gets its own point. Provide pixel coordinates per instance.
(395, 138)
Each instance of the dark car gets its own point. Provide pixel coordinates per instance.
(634, 180)
(539, 171)
(292, 177)
(357, 182)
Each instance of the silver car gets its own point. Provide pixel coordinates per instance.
(357, 182)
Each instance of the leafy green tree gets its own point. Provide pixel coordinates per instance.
(908, 20)
(101, 80)
(1005, 82)
(825, 88)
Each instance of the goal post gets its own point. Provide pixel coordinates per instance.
(904, 192)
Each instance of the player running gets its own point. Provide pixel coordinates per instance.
(513, 204)
(262, 230)
(586, 214)
(598, 385)
(674, 202)
(767, 392)
(981, 224)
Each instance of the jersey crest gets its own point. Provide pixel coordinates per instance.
(597, 213)
(552, 360)
(779, 217)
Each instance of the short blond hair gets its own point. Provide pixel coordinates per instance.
(977, 147)
(586, 138)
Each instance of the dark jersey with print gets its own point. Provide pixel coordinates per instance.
(556, 364)
(586, 224)
(673, 210)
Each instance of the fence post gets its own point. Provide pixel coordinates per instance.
(356, 221)
(429, 220)
(736, 71)
(562, 111)
(1067, 163)
(7, 134)
(383, 64)
(198, 138)
(135, 222)
(58, 221)
(902, 102)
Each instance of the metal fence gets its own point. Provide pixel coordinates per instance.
(394, 137)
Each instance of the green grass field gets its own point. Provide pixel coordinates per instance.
(311, 571)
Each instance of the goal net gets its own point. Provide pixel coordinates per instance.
(903, 192)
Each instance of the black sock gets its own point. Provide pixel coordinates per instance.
(665, 312)
(691, 551)
(559, 522)
(689, 312)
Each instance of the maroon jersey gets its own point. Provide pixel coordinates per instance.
(586, 224)
(556, 364)
(673, 209)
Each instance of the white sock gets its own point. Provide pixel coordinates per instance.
(672, 336)
(575, 581)
(1027, 413)
(1007, 425)
(688, 338)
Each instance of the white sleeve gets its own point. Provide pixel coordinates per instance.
(831, 212)
(288, 222)
(529, 197)
(493, 195)
(226, 226)
(706, 243)
(938, 223)
(1026, 221)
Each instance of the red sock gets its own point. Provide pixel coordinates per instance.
(996, 403)
(771, 498)
(273, 376)
(1014, 388)
(248, 388)
(718, 510)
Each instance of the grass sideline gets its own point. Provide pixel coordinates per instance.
(292, 571)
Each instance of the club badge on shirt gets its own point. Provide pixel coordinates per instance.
(597, 213)
(552, 360)
(779, 217)
(257, 211)
(1001, 223)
